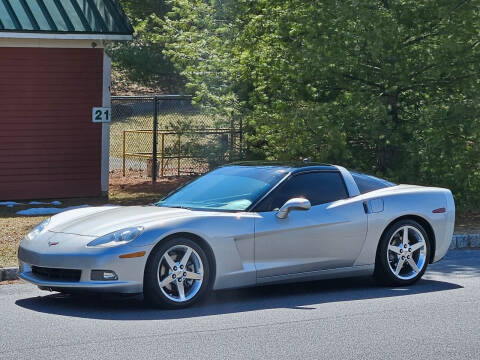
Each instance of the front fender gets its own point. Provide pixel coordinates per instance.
(229, 235)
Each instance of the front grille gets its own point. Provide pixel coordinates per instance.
(53, 274)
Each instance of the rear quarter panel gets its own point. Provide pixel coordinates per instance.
(407, 200)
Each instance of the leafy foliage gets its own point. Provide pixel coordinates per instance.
(386, 86)
(143, 58)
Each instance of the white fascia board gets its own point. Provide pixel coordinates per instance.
(55, 36)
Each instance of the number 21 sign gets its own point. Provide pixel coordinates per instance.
(101, 114)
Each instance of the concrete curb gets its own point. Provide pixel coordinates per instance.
(459, 241)
(9, 273)
(462, 241)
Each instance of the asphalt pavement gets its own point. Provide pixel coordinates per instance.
(437, 318)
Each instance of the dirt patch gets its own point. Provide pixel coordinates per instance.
(11, 282)
(467, 223)
(124, 86)
(136, 189)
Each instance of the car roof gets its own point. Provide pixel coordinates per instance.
(291, 166)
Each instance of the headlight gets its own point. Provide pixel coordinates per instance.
(37, 230)
(116, 238)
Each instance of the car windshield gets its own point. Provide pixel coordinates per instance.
(230, 188)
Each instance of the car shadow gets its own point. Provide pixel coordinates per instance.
(301, 296)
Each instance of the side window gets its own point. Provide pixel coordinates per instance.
(367, 183)
(317, 187)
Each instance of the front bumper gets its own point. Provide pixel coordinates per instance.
(129, 271)
(117, 286)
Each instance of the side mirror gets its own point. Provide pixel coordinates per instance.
(293, 204)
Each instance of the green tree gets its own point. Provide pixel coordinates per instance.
(389, 87)
(140, 9)
(143, 59)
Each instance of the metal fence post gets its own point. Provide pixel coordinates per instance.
(155, 139)
(241, 138)
(179, 153)
(163, 156)
(124, 156)
(232, 129)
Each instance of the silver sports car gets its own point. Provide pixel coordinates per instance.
(242, 225)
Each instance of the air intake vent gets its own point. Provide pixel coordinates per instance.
(53, 274)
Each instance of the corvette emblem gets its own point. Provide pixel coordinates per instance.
(52, 243)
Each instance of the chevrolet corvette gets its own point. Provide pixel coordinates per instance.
(241, 225)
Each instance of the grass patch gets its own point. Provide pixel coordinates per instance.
(13, 230)
(142, 142)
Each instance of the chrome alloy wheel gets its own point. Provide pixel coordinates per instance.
(180, 273)
(407, 252)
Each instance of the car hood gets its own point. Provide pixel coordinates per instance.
(98, 221)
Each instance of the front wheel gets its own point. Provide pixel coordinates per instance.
(403, 254)
(177, 274)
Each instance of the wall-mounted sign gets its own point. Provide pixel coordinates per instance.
(101, 114)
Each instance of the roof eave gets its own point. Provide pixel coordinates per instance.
(63, 36)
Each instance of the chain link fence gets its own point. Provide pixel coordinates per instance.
(166, 135)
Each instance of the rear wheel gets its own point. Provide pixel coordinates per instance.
(403, 254)
(177, 274)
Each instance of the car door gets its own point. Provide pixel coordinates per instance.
(329, 235)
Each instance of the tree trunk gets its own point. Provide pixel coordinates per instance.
(386, 152)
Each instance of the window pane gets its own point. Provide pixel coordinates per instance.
(317, 187)
(367, 183)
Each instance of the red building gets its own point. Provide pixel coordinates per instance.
(53, 72)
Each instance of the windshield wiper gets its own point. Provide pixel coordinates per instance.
(172, 206)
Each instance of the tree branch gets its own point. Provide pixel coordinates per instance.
(431, 30)
(420, 38)
(416, 73)
(444, 81)
(371, 83)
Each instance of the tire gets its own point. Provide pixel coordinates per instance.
(167, 273)
(400, 265)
